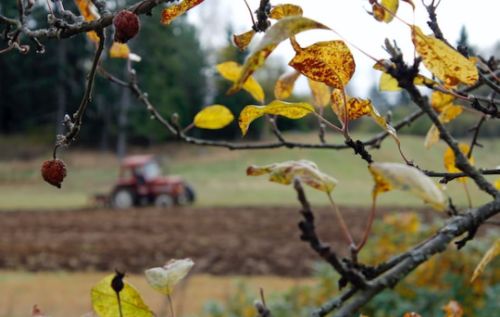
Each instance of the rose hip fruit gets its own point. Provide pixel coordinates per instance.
(53, 172)
(126, 26)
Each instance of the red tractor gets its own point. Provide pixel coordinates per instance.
(141, 183)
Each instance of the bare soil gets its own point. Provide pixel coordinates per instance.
(225, 240)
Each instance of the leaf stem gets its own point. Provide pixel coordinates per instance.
(340, 218)
(170, 305)
(368, 226)
(119, 304)
(328, 123)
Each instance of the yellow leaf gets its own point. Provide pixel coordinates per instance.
(105, 302)
(388, 83)
(388, 176)
(285, 10)
(449, 113)
(497, 184)
(320, 93)
(439, 100)
(380, 13)
(171, 12)
(89, 13)
(232, 71)
(444, 62)
(119, 50)
(163, 279)
(284, 85)
(213, 117)
(432, 137)
(449, 160)
(453, 309)
(328, 62)
(243, 40)
(492, 253)
(277, 107)
(276, 34)
(285, 172)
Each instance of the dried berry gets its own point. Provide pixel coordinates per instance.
(126, 26)
(53, 172)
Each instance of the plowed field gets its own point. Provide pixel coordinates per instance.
(226, 240)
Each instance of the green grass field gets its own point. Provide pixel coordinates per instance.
(218, 175)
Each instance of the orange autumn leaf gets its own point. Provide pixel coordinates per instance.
(284, 85)
(277, 33)
(171, 12)
(285, 10)
(328, 62)
(448, 65)
(119, 50)
(89, 13)
(453, 309)
(356, 108)
(243, 40)
(320, 93)
(449, 160)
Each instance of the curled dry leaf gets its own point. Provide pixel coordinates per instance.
(89, 13)
(380, 12)
(243, 40)
(320, 93)
(285, 10)
(289, 110)
(163, 279)
(105, 301)
(284, 173)
(388, 176)
(492, 253)
(448, 114)
(171, 12)
(284, 85)
(453, 309)
(449, 160)
(119, 50)
(328, 62)
(213, 117)
(277, 33)
(448, 65)
(232, 72)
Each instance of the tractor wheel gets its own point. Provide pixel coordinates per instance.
(164, 201)
(122, 199)
(187, 197)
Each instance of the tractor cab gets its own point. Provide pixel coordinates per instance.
(141, 182)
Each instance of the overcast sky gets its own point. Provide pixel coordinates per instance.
(349, 18)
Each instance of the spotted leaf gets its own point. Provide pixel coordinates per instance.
(277, 33)
(173, 11)
(328, 62)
